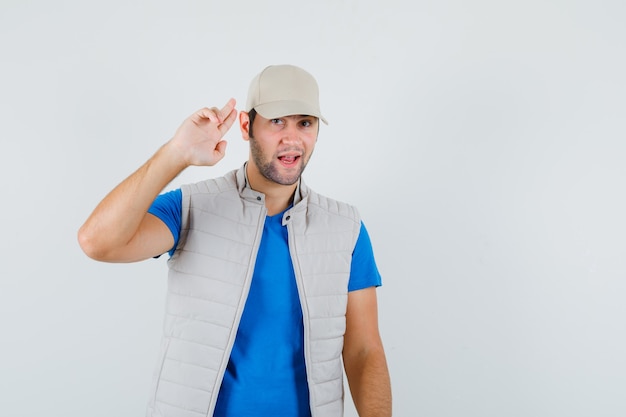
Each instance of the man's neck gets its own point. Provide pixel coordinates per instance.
(277, 196)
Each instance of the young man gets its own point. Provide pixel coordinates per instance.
(271, 286)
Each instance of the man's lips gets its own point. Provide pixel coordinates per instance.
(288, 159)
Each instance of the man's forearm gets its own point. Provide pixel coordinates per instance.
(370, 385)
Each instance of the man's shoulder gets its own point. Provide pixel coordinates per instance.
(224, 183)
(331, 205)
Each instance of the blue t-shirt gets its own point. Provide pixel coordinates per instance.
(266, 374)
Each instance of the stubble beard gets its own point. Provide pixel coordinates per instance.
(270, 171)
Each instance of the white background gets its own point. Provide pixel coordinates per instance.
(483, 141)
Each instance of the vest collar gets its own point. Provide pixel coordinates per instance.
(243, 185)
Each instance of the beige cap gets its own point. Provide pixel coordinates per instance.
(284, 90)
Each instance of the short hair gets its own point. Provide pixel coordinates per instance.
(251, 116)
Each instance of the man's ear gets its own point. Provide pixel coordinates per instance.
(244, 125)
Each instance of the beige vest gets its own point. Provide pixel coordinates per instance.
(208, 282)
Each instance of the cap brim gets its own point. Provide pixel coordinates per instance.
(277, 109)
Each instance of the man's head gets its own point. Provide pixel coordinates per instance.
(283, 105)
(284, 90)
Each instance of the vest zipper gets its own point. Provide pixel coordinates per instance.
(305, 313)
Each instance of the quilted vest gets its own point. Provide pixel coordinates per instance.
(208, 282)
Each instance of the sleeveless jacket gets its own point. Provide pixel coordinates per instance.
(209, 277)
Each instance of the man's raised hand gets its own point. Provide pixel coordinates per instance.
(199, 139)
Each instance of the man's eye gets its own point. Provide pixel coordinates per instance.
(276, 121)
(306, 123)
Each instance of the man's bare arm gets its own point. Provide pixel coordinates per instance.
(120, 229)
(364, 356)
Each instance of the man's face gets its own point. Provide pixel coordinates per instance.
(282, 147)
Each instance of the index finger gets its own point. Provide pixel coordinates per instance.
(226, 110)
(229, 119)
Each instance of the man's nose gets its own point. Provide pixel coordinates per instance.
(291, 134)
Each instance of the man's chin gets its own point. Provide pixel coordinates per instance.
(288, 176)
(286, 179)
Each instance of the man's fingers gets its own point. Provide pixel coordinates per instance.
(228, 115)
(227, 109)
(205, 113)
(228, 121)
(220, 148)
(216, 115)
